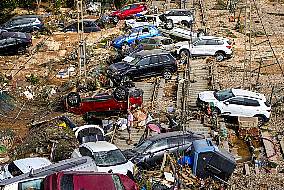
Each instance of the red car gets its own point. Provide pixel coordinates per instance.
(111, 102)
(74, 180)
(128, 11)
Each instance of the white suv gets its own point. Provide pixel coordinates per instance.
(237, 102)
(219, 47)
(182, 16)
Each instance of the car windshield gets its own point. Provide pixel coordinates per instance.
(125, 8)
(109, 158)
(223, 94)
(142, 146)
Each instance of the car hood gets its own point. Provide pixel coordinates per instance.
(117, 67)
(122, 168)
(207, 96)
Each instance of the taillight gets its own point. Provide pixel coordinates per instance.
(229, 47)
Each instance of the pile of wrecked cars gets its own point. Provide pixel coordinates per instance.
(99, 164)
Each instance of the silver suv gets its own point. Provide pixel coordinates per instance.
(237, 102)
(219, 47)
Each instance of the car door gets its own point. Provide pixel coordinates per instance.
(155, 65)
(164, 62)
(252, 107)
(87, 26)
(198, 47)
(3, 46)
(234, 106)
(141, 69)
(156, 151)
(211, 47)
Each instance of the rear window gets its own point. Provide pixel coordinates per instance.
(14, 170)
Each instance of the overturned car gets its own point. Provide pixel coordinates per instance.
(108, 103)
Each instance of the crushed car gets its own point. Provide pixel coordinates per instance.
(107, 157)
(108, 102)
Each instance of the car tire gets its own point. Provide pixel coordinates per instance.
(261, 120)
(169, 24)
(183, 55)
(185, 23)
(219, 56)
(73, 99)
(167, 74)
(120, 93)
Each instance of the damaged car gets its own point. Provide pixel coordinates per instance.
(109, 102)
(14, 42)
(107, 157)
(21, 166)
(150, 152)
(143, 64)
(128, 11)
(135, 34)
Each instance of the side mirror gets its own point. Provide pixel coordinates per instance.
(226, 103)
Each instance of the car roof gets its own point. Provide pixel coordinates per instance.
(173, 134)
(246, 93)
(26, 164)
(50, 169)
(99, 146)
(151, 52)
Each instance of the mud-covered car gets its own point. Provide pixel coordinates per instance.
(108, 102)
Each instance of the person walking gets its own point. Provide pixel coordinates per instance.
(129, 125)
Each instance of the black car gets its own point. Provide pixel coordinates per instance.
(150, 152)
(143, 64)
(24, 23)
(89, 26)
(14, 42)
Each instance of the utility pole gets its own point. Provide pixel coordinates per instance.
(81, 40)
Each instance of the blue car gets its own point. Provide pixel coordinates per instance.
(137, 33)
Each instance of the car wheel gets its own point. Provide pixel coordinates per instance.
(184, 55)
(120, 93)
(115, 19)
(261, 120)
(219, 56)
(167, 75)
(73, 99)
(185, 23)
(169, 24)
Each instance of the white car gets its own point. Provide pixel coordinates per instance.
(182, 16)
(219, 47)
(237, 102)
(107, 157)
(22, 166)
(35, 178)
